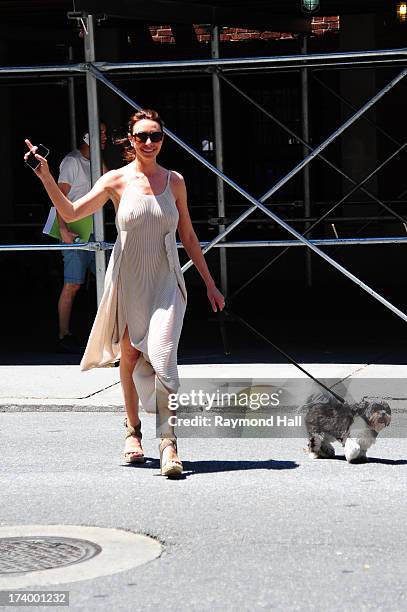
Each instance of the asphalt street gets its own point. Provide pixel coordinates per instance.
(253, 524)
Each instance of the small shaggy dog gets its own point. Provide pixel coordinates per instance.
(356, 426)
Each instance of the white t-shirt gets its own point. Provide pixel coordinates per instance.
(75, 170)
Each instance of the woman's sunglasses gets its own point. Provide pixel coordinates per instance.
(153, 136)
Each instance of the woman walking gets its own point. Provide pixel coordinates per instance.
(140, 316)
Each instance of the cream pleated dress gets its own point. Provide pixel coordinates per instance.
(145, 291)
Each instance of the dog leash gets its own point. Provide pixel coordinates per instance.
(286, 355)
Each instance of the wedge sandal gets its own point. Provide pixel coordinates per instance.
(136, 456)
(170, 467)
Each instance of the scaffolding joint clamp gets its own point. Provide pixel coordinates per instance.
(85, 15)
(87, 66)
(76, 14)
(218, 221)
(100, 245)
(214, 70)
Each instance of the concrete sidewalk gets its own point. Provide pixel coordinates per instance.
(66, 388)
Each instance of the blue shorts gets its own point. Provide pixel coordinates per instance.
(76, 263)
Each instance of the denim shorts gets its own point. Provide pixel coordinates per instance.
(76, 263)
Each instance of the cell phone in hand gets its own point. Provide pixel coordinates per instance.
(32, 161)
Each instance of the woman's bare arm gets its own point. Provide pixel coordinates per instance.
(191, 243)
(71, 211)
(85, 206)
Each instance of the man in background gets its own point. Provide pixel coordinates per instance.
(74, 181)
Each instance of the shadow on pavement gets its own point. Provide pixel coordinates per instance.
(373, 460)
(387, 461)
(208, 467)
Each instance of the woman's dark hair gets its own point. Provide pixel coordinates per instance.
(129, 153)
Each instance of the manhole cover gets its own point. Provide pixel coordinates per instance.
(40, 555)
(21, 555)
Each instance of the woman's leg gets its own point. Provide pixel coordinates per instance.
(128, 360)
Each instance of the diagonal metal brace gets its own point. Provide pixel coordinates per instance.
(259, 203)
(313, 225)
(310, 148)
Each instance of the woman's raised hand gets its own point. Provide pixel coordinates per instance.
(43, 170)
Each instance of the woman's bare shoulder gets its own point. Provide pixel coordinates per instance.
(177, 183)
(113, 176)
(176, 177)
(115, 179)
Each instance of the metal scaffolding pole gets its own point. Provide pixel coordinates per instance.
(259, 203)
(220, 187)
(71, 98)
(248, 244)
(95, 151)
(258, 61)
(361, 57)
(51, 70)
(318, 66)
(306, 138)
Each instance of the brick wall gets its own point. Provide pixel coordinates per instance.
(162, 34)
(320, 26)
